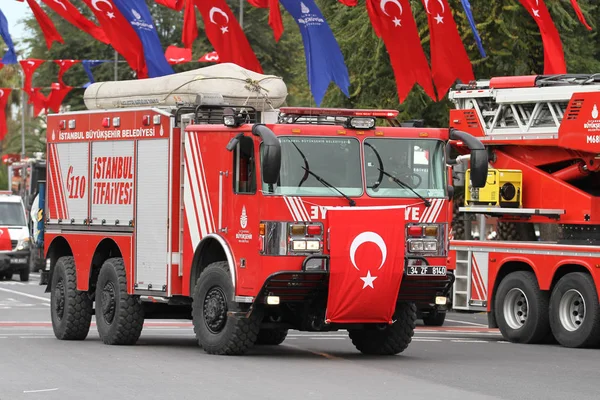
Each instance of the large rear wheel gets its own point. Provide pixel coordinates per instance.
(521, 308)
(70, 310)
(574, 311)
(386, 339)
(119, 316)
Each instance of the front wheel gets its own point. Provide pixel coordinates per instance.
(387, 339)
(119, 316)
(435, 318)
(216, 332)
(521, 308)
(574, 311)
(272, 337)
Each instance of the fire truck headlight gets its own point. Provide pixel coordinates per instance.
(299, 245)
(229, 120)
(430, 246)
(416, 246)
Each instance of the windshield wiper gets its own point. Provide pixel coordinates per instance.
(324, 182)
(399, 182)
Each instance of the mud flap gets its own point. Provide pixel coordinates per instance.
(366, 263)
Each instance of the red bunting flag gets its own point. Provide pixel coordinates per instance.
(275, 21)
(190, 27)
(580, 14)
(394, 23)
(64, 66)
(177, 55)
(121, 34)
(349, 3)
(47, 26)
(57, 96)
(226, 35)
(213, 56)
(68, 11)
(176, 5)
(29, 67)
(4, 97)
(449, 59)
(37, 98)
(554, 57)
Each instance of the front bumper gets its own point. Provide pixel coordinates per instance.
(14, 261)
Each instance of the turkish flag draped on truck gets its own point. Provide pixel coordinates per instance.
(366, 264)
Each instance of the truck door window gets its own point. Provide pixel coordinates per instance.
(244, 176)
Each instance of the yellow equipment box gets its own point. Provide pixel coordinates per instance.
(503, 188)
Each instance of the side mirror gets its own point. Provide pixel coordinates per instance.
(271, 154)
(478, 156)
(450, 192)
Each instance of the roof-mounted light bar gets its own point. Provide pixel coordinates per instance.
(338, 112)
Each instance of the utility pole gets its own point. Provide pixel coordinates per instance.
(242, 13)
(116, 66)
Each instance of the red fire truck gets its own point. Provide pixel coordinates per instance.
(539, 280)
(247, 220)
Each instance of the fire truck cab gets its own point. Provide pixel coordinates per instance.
(247, 219)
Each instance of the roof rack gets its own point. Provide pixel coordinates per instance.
(331, 116)
(530, 81)
(213, 114)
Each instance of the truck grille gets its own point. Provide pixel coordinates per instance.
(294, 286)
(13, 244)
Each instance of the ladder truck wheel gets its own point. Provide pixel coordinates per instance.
(521, 309)
(119, 315)
(574, 311)
(70, 310)
(271, 337)
(384, 339)
(216, 332)
(516, 231)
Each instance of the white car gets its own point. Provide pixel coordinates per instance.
(14, 227)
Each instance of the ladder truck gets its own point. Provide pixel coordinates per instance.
(539, 279)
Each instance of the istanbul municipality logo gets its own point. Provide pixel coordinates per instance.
(243, 218)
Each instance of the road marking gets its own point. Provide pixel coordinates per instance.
(40, 390)
(327, 338)
(425, 340)
(466, 323)
(24, 294)
(317, 353)
(469, 341)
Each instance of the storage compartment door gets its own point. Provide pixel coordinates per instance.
(152, 213)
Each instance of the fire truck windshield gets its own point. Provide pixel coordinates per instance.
(11, 214)
(334, 159)
(418, 163)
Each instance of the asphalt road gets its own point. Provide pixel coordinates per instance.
(461, 360)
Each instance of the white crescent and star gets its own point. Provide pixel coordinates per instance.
(368, 237)
(438, 17)
(60, 3)
(95, 4)
(396, 20)
(1, 93)
(536, 12)
(217, 10)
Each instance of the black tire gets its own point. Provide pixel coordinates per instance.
(271, 337)
(586, 333)
(119, 315)
(435, 318)
(389, 339)
(71, 310)
(226, 335)
(533, 311)
(24, 275)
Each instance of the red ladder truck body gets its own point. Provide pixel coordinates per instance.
(543, 138)
(247, 224)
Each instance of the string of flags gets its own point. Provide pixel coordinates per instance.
(128, 27)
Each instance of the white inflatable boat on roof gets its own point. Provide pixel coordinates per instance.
(238, 86)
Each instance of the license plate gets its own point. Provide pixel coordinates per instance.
(425, 270)
(18, 260)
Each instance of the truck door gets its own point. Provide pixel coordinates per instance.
(243, 220)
